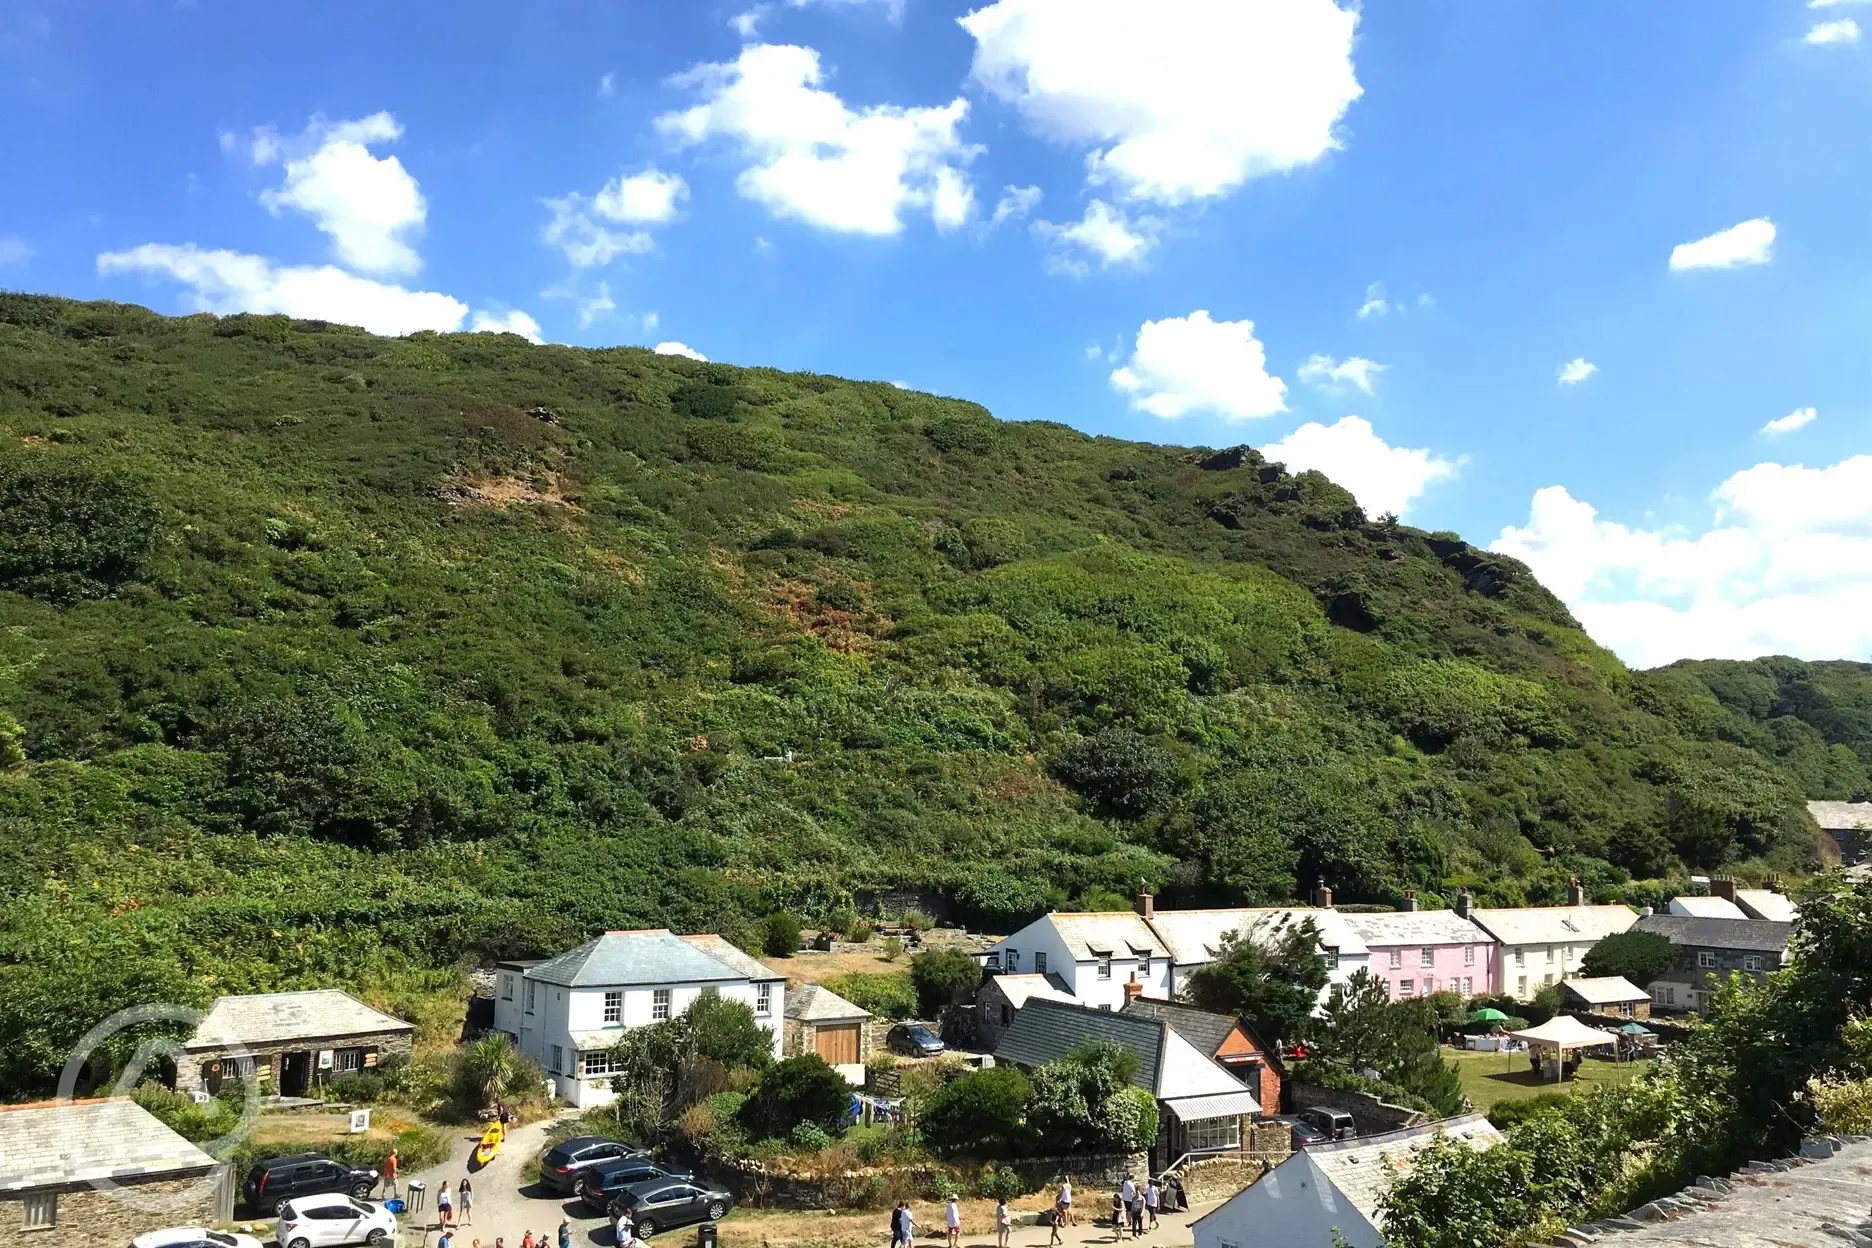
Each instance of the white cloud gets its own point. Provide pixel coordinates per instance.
(1841, 30)
(225, 282)
(762, 244)
(747, 24)
(648, 198)
(1784, 566)
(1375, 302)
(1750, 242)
(1575, 370)
(677, 348)
(607, 84)
(513, 321)
(893, 9)
(595, 305)
(1195, 364)
(1094, 351)
(1179, 100)
(14, 250)
(1799, 418)
(1833, 4)
(650, 321)
(1426, 301)
(812, 157)
(1382, 477)
(1334, 376)
(370, 206)
(954, 200)
(1016, 202)
(1104, 233)
(587, 244)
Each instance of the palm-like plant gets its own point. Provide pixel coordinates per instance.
(489, 1066)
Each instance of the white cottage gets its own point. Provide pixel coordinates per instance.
(567, 1012)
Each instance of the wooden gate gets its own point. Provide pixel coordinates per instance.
(837, 1043)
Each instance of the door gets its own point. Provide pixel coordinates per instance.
(837, 1043)
(295, 1069)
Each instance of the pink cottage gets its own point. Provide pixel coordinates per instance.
(1418, 952)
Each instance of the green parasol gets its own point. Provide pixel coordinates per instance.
(1488, 1014)
(1635, 1029)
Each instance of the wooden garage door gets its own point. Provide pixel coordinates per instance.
(837, 1042)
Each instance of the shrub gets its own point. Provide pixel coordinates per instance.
(942, 976)
(893, 948)
(69, 533)
(1119, 771)
(1842, 1105)
(842, 920)
(984, 1111)
(727, 1033)
(799, 1089)
(780, 933)
(860, 931)
(889, 995)
(810, 1135)
(1638, 956)
(919, 922)
(358, 1088)
(1505, 1114)
(1001, 1183)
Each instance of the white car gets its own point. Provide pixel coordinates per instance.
(334, 1218)
(193, 1237)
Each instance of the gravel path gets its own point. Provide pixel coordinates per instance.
(505, 1205)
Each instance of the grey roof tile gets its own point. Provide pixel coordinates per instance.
(84, 1141)
(656, 956)
(1748, 935)
(1046, 1030)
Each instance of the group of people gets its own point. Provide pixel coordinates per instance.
(529, 1241)
(1134, 1206)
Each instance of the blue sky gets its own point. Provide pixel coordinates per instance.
(1508, 182)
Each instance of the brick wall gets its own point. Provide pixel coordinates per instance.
(88, 1218)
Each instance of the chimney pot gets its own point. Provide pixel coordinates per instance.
(1133, 990)
(1146, 905)
(1464, 903)
(1575, 895)
(1410, 899)
(1322, 895)
(1723, 888)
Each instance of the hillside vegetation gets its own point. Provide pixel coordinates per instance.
(323, 655)
(1815, 719)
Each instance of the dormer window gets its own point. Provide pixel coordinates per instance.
(1104, 965)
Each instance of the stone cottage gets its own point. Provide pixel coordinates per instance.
(291, 1041)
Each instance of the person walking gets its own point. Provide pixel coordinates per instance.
(389, 1173)
(1118, 1216)
(527, 1240)
(464, 1192)
(445, 1206)
(1053, 1240)
(1065, 1201)
(445, 1241)
(1153, 1196)
(1136, 1208)
(952, 1221)
(623, 1228)
(1004, 1222)
(565, 1233)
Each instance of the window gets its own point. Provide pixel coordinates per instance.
(1013, 961)
(1427, 957)
(1468, 955)
(1040, 962)
(1429, 985)
(1706, 959)
(614, 1007)
(710, 991)
(763, 1000)
(349, 1059)
(1549, 955)
(993, 961)
(558, 1058)
(506, 987)
(1144, 965)
(41, 1211)
(598, 1063)
(1397, 958)
(532, 996)
(1751, 962)
(1212, 1135)
(1406, 987)
(1547, 979)
(1520, 957)
(1521, 987)
(659, 1005)
(1104, 966)
(1468, 986)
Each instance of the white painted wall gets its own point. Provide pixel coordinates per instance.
(1291, 1207)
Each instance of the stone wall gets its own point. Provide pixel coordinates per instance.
(88, 1218)
(377, 1046)
(766, 1185)
(1371, 1115)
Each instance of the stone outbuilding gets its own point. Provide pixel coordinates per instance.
(1607, 994)
(61, 1163)
(292, 1041)
(820, 1021)
(1001, 997)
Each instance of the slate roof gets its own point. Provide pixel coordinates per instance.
(1385, 929)
(1747, 935)
(1554, 925)
(1706, 908)
(1018, 990)
(1358, 1167)
(1842, 816)
(269, 1017)
(1045, 1030)
(811, 1003)
(656, 956)
(1201, 1028)
(1765, 903)
(1117, 932)
(1604, 990)
(1194, 937)
(723, 950)
(84, 1141)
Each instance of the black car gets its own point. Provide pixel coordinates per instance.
(273, 1182)
(658, 1204)
(563, 1163)
(598, 1184)
(915, 1040)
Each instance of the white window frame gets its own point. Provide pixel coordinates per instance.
(763, 1000)
(348, 1061)
(1468, 955)
(1521, 989)
(532, 996)
(558, 1059)
(1427, 957)
(506, 987)
(1013, 960)
(41, 1211)
(1406, 988)
(659, 1005)
(614, 1007)
(1706, 960)
(596, 1064)
(1549, 955)
(1212, 1135)
(1397, 959)
(1104, 966)
(1751, 962)
(1144, 965)
(1040, 962)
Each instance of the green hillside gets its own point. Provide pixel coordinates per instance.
(1815, 719)
(323, 655)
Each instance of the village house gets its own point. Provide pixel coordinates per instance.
(1417, 952)
(1704, 908)
(1196, 938)
(567, 1012)
(1329, 1190)
(1765, 903)
(1224, 1040)
(1608, 994)
(1203, 1108)
(1850, 826)
(291, 1042)
(1535, 946)
(1709, 949)
(818, 1020)
(60, 1161)
(1001, 996)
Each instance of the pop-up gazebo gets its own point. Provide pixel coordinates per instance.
(1561, 1034)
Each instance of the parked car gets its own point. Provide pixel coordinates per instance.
(273, 1182)
(193, 1237)
(319, 1221)
(914, 1040)
(563, 1163)
(598, 1184)
(1321, 1126)
(658, 1204)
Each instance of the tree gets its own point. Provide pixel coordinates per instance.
(1120, 771)
(1274, 987)
(485, 1069)
(1363, 1029)
(799, 1089)
(780, 935)
(1083, 1102)
(984, 1112)
(68, 534)
(942, 976)
(1638, 956)
(727, 1032)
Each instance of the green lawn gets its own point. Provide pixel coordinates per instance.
(1491, 1077)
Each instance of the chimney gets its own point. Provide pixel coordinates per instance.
(1322, 896)
(1575, 895)
(1464, 903)
(1410, 899)
(1644, 912)
(1722, 888)
(1146, 905)
(1133, 990)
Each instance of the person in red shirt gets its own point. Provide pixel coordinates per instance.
(389, 1172)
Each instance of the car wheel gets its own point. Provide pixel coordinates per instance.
(376, 1236)
(279, 1207)
(717, 1211)
(299, 1243)
(646, 1228)
(360, 1190)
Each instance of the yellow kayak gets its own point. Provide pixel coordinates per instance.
(490, 1143)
